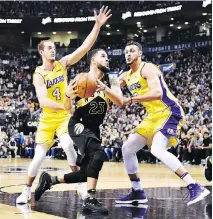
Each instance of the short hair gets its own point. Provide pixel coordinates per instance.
(206, 133)
(134, 43)
(41, 44)
(91, 54)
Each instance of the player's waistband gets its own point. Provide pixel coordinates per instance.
(51, 111)
(177, 111)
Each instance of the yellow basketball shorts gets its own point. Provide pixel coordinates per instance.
(49, 126)
(167, 122)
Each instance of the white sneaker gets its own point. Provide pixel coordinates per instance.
(82, 190)
(25, 196)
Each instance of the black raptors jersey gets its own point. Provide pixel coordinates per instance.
(91, 111)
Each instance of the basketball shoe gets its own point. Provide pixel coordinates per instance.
(44, 184)
(25, 196)
(92, 205)
(134, 197)
(197, 193)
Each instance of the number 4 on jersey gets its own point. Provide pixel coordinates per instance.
(56, 93)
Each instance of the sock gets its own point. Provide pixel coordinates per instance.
(28, 188)
(54, 180)
(91, 193)
(136, 184)
(187, 178)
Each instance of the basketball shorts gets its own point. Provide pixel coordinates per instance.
(166, 122)
(81, 136)
(51, 125)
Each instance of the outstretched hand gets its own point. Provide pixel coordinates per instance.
(72, 90)
(103, 16)
(100, 85)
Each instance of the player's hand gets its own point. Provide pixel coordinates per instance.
(71, 111)
(103, 16)
(100, 85)
(127, 100)
(72, 90)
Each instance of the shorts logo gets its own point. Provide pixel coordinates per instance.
(171, 131)
(79, 128)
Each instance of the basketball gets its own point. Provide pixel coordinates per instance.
(86, 85)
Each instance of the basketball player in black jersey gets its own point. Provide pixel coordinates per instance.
(84, 130)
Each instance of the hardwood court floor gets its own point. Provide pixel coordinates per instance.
(161, 185)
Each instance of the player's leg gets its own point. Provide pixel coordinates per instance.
(159, 150)
(44, 140)
(90, 167)
(39, 157)
(133, 144)
(68, 147)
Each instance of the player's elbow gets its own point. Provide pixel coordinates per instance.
(42, 102)
(158, 93)
(120, 103)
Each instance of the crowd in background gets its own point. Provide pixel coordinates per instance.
(190, 82)
(47, 8)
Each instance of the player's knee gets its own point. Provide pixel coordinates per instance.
(155, 151)
(66, 142)
(96, 164)
(68, 147)
(126, 150)
(40, 154)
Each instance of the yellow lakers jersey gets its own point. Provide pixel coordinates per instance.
(56, 83)
(137, 85)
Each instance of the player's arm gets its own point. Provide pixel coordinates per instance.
(41, 92)
(121, 79)
(100, 19)
(150, 72)
(114, 93)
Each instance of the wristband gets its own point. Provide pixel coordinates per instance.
(67, 96)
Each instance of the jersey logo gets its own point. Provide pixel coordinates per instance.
(134, 86)
(55, 81)
(78, 128)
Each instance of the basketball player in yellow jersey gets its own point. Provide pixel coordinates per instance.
(158, 130)
(50, 82)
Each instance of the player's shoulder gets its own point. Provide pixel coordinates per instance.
(123, 75)
(149, 67)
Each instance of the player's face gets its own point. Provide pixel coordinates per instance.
(102, 61)
(132, 54)
(49, 51)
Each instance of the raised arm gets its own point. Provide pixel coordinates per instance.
(74, 57)
(41, 92)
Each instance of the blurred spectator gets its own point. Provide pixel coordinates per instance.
(12, 147)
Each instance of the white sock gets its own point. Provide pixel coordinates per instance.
(187, 179)
(27, 188)
(136, 184)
